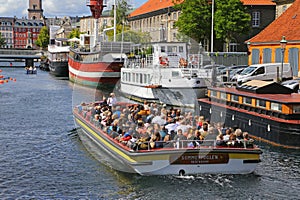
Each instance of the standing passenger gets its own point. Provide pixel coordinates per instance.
(112, 100)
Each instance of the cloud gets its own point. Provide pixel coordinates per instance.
(52, 8)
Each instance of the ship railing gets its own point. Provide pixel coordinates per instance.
(191, 144)
(140, 62)
(172, 144)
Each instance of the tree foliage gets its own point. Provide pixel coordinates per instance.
(2, 41)
(43, 38)
(135, 37)
(75, 33)
(122, 11)
(195, 18)
(231, 19)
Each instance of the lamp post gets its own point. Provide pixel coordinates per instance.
(248, 50)
(283, 43)
(200, 58)
(212, 27)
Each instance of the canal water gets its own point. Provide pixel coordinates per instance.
(43, 158)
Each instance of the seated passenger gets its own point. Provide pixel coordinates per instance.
(167, 142)
(125, 138)
(220, 141)
(248, 141)
(180, 139)
(114, 130)
(239, 134)
(155, 141)
(198, 139)
(227, 135)
(232, 141)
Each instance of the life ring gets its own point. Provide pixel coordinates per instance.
(163, 61)
(182, 62)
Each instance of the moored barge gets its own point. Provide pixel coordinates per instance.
(267, 110)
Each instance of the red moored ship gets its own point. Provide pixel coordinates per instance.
(95, 63)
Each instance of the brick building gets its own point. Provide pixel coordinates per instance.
(26, 32)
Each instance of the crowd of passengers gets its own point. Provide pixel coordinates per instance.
(150, 126)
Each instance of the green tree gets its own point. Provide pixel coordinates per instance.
(135, 37)
(2, 41)
(121, 19)
(195, 18)
(43, 38)
(75, 33)
(231, 19)
(122, 11)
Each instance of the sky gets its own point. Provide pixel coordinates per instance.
(52, 8)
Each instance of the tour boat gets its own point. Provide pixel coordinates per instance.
(58, 57)
(166, 160)
(164, 76)
(266, 109)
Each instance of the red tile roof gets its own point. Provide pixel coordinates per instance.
(287, 24)
(153, 5)
(258, 2)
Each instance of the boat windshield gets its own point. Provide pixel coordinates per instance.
(248, 70)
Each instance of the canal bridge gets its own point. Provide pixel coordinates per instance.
(29, 55)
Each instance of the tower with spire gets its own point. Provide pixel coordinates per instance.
(35, 10)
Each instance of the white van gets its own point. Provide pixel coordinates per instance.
(265, 72)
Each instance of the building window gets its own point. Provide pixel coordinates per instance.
(235, 98)
(174, 16)
(260, 103)
(247, 100)
(172, 49)
(223, 96)
(276, 106)
(213, 93)
(255, 19)
(296, 109)
(175, 74)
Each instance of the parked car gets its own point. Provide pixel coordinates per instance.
(232, 68)
(218, 68)
(292, 84)
(231, 72)
(232, 75)
(265, 72)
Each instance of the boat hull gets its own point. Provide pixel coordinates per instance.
(94, 74)
(182, 97)
(59, 68)
(264, 127)
(166, 162)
